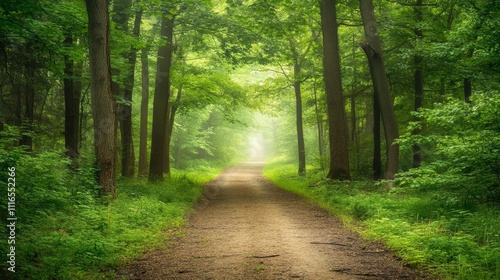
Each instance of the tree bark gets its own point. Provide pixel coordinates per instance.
(468, 79)
(373, 49)
(143, 145)
(166, 154)
(298, 109)
(72, 108)
(377, 158)
(467, 89)
(128, 156)
(170, 128)
(160, 103)
(29, 105)
(299, 121)
(122, 11)
(103, 104)
(338, 131)
(319, 121)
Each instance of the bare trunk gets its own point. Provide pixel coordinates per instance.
(467, 89)
(319, 121)
(77, 87)
(166, 154)
(72, 109)
(300, 129)
(169, 129)
(377, 158)
(26, 139)
(103, 104)
(468, 79)
(143, 145)
(160, 103)
(373, 49)
(338, 131)
(299, 122)
(128, 156)
(298, 109)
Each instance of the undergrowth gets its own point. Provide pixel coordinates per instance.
(449, 238)
(65, 231)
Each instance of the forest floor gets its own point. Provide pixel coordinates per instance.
(246, 228)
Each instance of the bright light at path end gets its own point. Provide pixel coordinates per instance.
(257, 149)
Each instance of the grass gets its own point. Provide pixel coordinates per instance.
(65, 232)
(450, 239)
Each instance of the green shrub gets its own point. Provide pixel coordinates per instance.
(425, 228)
(65, 231)
(464, 140)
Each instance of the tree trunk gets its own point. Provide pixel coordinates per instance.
(319, 121)
(103, 104)
(16, 91)
(377, 158)
(467, 89)
(300, 128)
(27, 139)
(171, 120)
(72, 108)
(128, 156)
(166, 154)
(160, 103)
(121, 15)
(419, 83)
(170, 128)
(143, 145)
(84, 95)
(338, 131)
(468, 79)
(298, 110)
(373, 49)
(77, 88)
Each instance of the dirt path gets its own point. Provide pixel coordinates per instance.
(248, 229)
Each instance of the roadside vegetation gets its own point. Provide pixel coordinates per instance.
(65, 231)
(443, 216)
(450, 239)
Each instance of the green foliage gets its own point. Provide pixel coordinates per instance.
(64, 231)
(449, 240)
(465, 143)
(205, 137)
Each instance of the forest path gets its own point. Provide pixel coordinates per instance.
(246, 228)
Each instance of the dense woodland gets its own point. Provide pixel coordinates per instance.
(116, 112)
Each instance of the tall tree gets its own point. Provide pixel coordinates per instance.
(297, 80)
(373, 49)
(161, 96)
(123, 10)
(128, 156)
(338, 131)
(377, 162)
(143, 142)
(103, 104)
(72, 106)
(171, 112)
(29, 105)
